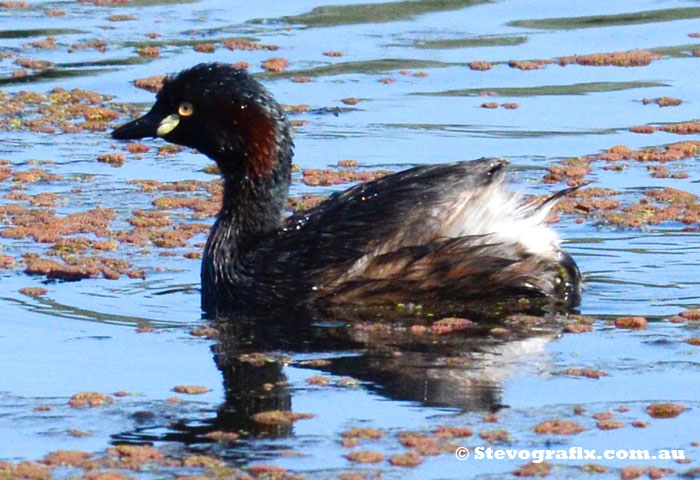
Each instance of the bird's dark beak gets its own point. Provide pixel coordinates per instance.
(145, 126)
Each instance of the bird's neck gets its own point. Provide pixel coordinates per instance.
(251, 211)
(252, 208)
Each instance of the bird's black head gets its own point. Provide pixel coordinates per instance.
(224, 113)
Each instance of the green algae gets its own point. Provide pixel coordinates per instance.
(328, 16)
(597, 21)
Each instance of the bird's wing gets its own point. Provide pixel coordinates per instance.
(407, 208)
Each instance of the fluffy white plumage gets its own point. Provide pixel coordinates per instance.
(501, 217)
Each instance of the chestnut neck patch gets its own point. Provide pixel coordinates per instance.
(258, 129)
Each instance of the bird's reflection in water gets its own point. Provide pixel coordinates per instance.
(402, 359)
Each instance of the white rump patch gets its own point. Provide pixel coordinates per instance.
(501, 216)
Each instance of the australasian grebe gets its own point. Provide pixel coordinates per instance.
(431, 233)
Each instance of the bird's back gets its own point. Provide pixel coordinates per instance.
(451, 231)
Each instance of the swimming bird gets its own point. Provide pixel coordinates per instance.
(435, 233)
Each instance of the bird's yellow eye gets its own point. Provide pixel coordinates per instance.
(185, 109)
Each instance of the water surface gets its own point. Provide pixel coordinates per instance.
(83, 336)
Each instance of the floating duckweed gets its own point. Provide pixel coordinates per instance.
(495, 436)
(223, 437)
(205, 47)
(90, 400)
(541, 469)
(16, 5)
(365, 456)
(631, 472)
(280, 417)
(665, 410)
(243, 44)
(610, 424)
(443, 431)
(632, 58)
(528, 65)
(634, 323)
(191, 389)
(33, 291)
(275, 65)
(323, 177)
(363, 433)
(113, 159)
(410, 460)
(152, 84)
(585, 372)
(480, 66)
(99, 45)
(318, 380)
(268, 472)
(558, 427)
(149, 52)
(663, 101)
(66, 458)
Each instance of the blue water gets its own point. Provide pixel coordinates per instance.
(82, 335)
